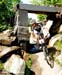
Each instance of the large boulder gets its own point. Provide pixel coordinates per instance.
(6, 40)
(54, 39)
(4, 50)
(60, 29)
(15, 65)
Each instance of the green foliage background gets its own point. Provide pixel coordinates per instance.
(7, 13)
(46, 3)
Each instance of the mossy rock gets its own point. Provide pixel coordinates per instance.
(56, 41)
(58, 44)
(1, 66)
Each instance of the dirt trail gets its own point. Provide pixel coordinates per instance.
(40, 66)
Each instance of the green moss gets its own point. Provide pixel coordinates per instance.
(28, 65)
(1, 65)
(58, 44)
(58, 62)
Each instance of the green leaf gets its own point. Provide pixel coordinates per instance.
(7, 11)
(11, 4)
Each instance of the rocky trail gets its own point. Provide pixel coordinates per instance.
(40, 66)
(8, 45)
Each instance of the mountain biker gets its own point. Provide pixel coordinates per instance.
(35, 39)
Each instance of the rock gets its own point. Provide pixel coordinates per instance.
(15, 65)
(4, 49)
(59, 59)
(35, 67)
(60, 29)
(7, 32)
(54, 39)
(41, 67)
(6, 40)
